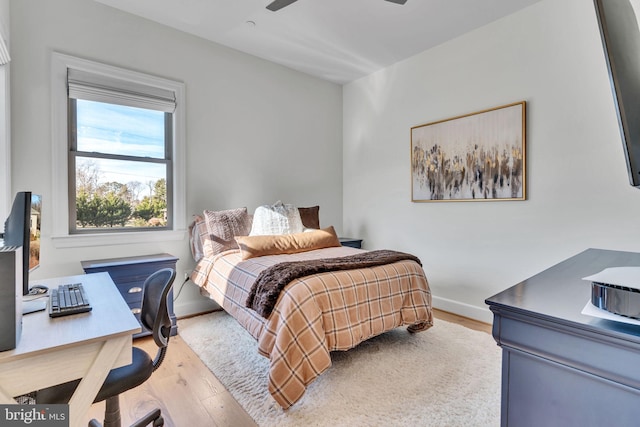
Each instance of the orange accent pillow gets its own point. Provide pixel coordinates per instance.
(255, 246)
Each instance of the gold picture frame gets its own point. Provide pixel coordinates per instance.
(475, 157)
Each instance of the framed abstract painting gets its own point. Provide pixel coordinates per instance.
(478, 156)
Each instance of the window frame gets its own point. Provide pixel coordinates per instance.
(74, 153)
(60, 200)
(5, 142)
(5, 123)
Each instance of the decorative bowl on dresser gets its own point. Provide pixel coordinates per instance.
(129, 274)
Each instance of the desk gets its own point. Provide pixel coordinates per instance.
(560, 367)
(87, 345)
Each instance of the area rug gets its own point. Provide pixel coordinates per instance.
(448, 375)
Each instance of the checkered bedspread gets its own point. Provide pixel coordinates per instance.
(316, 314)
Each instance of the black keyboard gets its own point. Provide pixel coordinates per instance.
(68, 299)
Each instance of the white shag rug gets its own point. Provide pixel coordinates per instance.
(448, 375)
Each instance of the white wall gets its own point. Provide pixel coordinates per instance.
(256, 132)
(550, 55)
(5, 117)
(4, 16)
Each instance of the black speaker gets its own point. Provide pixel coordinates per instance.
(10, 296)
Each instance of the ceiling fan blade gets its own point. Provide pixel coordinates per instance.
(398, 1)
(279, 4)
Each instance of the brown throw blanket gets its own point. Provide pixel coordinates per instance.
(270, 282)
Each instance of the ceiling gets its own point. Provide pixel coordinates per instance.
(336, 40)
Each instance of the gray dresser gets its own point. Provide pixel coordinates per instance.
(560, 367)
(129, 274)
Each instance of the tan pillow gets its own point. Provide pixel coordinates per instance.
(255, 246)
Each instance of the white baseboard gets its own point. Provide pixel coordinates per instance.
(481, 314)
(193, 308)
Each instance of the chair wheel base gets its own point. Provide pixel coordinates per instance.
(154, 417)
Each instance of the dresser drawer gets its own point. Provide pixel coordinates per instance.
(129, 275)
(131, 291)
(134, 272)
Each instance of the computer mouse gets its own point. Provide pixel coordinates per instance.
(38, 289)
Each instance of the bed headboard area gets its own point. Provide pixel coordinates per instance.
(213, 232)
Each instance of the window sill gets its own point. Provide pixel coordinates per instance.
(84, 240)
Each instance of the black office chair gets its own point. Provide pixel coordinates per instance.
(154, 315)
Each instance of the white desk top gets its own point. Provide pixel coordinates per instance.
(56, 350)
(110, 317)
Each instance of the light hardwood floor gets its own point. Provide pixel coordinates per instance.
(190, 395)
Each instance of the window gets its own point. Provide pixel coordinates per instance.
(5, 151)
(119, 135)
(5, 118)
(119, 167)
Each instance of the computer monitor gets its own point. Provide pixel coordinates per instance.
(22, 228)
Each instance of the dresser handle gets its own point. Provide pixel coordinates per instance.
(135, 290)
(136, 310)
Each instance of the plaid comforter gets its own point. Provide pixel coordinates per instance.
(316, 314)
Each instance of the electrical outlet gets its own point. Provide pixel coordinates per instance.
(187, 274)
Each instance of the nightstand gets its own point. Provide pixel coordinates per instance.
(129, 274)
(348, 241)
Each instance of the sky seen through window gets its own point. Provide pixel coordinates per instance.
(116, 129)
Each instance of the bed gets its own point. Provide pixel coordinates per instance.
(313, 315)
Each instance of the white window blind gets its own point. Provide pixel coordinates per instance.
(100, 88)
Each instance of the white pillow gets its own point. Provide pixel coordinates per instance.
(275, 219)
